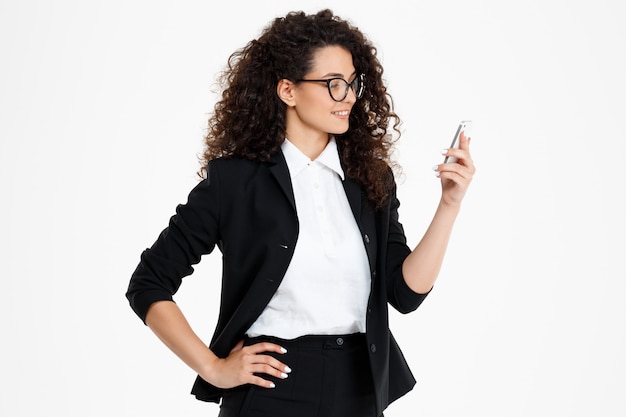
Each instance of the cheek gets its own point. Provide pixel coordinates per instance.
(314, 111)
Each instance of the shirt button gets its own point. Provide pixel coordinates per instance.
(373, 348)
(339, 341)
(316, 185)
(367, 239)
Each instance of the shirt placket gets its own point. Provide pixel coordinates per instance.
(321, 208)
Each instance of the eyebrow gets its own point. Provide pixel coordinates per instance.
(336, 74)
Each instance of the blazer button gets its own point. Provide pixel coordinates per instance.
(339, 341)
(373, 348)
(367, 239)
(374, 274)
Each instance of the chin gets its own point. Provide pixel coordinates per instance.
(340, 131)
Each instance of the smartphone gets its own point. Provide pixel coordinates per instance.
(464, 126)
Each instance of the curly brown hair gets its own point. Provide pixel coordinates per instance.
(249, 120)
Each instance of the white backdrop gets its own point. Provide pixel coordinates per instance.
(102, 110)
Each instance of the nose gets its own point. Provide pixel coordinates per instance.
(351, 96)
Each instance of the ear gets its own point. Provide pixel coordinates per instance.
(285, 91)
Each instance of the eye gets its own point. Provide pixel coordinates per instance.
(335, 83)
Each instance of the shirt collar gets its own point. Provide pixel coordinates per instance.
(297, 161)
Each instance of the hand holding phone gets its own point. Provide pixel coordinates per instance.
(464, 126)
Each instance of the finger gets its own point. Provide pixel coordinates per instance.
(254, 351)
(237, 347)
(254, 375)
(455, 177)
(450, 177)
(464, 141)
(463, 158)
(462, 170)
(459, 174)
(267, 360)
(266, 347)
(458, 153)
(266, 369)
(257, 380)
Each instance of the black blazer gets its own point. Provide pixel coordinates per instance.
(247, 209)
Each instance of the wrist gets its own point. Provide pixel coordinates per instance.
(449, 207)
(208, 367)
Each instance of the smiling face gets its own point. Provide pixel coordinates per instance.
(311, 112)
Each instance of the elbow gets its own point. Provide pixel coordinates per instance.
(407, 300)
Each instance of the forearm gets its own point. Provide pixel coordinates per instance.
(167, 321)
(421, 268)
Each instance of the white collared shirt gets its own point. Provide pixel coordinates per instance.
(327, 284)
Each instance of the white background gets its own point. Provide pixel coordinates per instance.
(103, 106)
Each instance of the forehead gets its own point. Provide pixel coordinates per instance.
(332, 60)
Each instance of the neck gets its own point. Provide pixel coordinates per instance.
(310, 145)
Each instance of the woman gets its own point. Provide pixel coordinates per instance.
(299, 197)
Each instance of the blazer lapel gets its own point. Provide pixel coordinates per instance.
(365, 218)
(353, 192)
(280, 171)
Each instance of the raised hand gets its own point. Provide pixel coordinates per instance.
(456, 177)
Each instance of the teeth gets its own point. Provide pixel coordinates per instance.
(342, 113)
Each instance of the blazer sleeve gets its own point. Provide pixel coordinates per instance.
(192, 232)
(399, 294)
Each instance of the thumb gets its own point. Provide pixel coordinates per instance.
(464, 141)
(237, 347)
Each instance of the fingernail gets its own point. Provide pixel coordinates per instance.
(436, 174)
(284, 375)
(272, 385)
(282, 349)
(444, 151)
(287, 369)
(435, 167)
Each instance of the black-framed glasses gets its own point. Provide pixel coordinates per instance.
(338, 88)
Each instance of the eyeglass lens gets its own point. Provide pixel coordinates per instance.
(338, 88)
